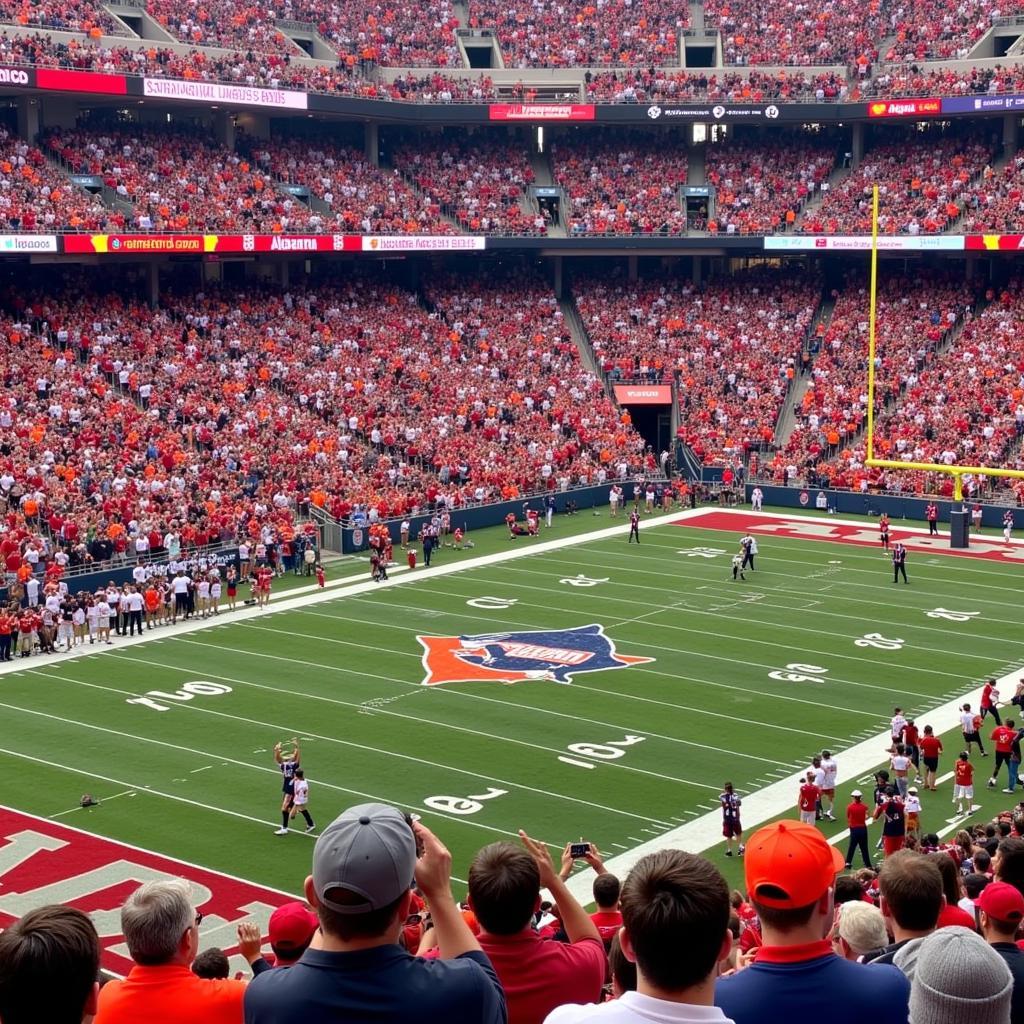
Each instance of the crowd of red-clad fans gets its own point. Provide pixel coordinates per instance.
(223, 403)
(914, 318)
(760, 188)
(481, 183)
(931, 30)
(177, 180)
(623, 184)
(997, 203)
(734, 346)
(582, 33)
(641, 85)
(762, 32)
(918, 80)
(922, 186)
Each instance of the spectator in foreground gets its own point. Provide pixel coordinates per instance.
(790, 874)
(161, 927)
(959, 977)
(291, 930)
(364, 864)
(859, 931)
(1001, 911)
(504, 892)
(672, 901)
(910, 885)
(211, 964)
(49, 961)
(607, 917)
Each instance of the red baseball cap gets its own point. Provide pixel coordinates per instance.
(789, 864)
(292, 926)
(1001, 901)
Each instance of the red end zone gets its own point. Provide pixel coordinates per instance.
(42, 862)
(865, 535)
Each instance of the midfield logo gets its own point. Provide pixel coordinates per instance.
(549, 654)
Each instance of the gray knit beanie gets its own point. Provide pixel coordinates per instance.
(959, 979)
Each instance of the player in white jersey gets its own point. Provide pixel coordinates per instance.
(897, 724)
(300, 799)
(613, 501)
(828, 786)
(1007, 525)
(203, 597)
(737, 568)
(756, 498)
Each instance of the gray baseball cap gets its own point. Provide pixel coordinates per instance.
(369, 850)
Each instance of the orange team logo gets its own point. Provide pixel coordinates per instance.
(552, 654)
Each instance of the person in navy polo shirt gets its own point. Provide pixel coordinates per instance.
(364, 864)
(790, 876)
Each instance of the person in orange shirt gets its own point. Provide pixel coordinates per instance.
(161, 929)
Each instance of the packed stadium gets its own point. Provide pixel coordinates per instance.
(511, 512)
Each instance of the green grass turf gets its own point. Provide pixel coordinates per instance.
(345, 675)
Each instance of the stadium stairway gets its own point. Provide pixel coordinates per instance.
(580, 335)
(540, 164)
(839, 172)
(697, 25)
(787, 418)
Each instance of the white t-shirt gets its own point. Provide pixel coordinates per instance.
(180, 584)
(301, 792)
(967, 722)
(831, 769)
(897, 725)
(819, 776)
(634, 1008)
(900, 763)
(135, 602)
(912, 804)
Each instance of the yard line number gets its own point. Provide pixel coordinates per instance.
(610, 751)
(200, 688)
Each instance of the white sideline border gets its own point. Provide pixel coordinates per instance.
(696, 836)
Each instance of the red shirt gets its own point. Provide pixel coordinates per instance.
(931, 746)
(856, 814)
(608, 923)
(964, 773)
(1003, 736)
(986, 696)
(809, 794)
(538, 975)
(910, 735)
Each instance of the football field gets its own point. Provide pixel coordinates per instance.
(575, 686)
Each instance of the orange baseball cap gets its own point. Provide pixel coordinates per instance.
(789, 864)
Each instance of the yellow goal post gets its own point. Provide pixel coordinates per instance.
(956, 472)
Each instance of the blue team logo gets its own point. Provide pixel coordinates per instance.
(552, 654)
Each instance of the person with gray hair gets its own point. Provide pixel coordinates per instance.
(161, 928)
(958, 977)
(859, 929)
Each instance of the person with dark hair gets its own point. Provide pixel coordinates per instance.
(953, 892)
(671, 902)
(607, 917)
(790, 877)
(211, 964)
(1008, 863)
(364, 865)
(621, 969)
(910, 884)
(505, 880)
(49, 965)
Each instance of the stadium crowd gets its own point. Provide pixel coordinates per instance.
(378, 933)
(213, 413)
(641, 85)
(624, 184)
(915, 80)
(921, 189)
(929, 30)
(761, 187)
(734, 346)
(481, 184)
(914, 319)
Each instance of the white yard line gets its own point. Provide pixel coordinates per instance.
(100, 802)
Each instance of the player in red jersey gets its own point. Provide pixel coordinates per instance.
(319, 575)
(634, 526)
(1003, 736)
(883, 531)
(731, 827)
(931, 747)
(990, 701)
(807, 800)
(963, 783)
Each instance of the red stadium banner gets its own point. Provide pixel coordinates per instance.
(905, 108)
(997, 243)
(42, 862)
(541, 112)
(643, 394)
(81, 81)
(157, 243)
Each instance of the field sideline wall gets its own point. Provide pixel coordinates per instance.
(850, 502)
